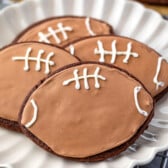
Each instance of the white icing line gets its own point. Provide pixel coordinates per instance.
(85, 77)
(29, 124)
(155, 79)
(54, 33)
(76, 79)
(38, 66)
(72, 49)
(137, 89)
(102, 52)
(88, 26)
(38, 60)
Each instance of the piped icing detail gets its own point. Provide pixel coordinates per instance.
(38, 60)
(114, 53)
(85, 77)
(155, 79)
(137, 89)
(54, 33)
(88, 26)
(72, 49)
(33, 120)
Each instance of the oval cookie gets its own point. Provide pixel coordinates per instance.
(22, 66)
(61, 31)
(85, 110)
(136, 58)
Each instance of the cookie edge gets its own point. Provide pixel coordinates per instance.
(10, 125)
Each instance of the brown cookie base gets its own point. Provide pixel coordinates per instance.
(99, 157)
(10, 125)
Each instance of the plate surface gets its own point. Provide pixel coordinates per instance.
(128, 19)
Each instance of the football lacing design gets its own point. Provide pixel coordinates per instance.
(38, 60)
(85, 77)
(54, 33)
(114, 53)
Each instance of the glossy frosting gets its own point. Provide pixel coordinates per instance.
(83, 122)
(143, 66)
(16, 82)
(80, 27)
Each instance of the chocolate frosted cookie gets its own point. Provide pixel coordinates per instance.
(86, 111)
(22, 66)
(61, 31)
(138, 59)
(159, 2)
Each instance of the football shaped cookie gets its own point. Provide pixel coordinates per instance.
(136, 58)
(61, 31)
(86, 111)
(22, 66)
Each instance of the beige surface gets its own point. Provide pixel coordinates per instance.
(162, 9)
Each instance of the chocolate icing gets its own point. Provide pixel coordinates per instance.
(143, 67)
(81, 123)
(15, 82)
(76, 23)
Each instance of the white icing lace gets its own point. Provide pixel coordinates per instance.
(54, 33)
(88, 26)
(137, 89)
(34, 118)
(38, 60)
(114, 53)
(85, 77)
(155, 79)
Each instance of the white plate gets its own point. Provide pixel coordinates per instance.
(128, 19)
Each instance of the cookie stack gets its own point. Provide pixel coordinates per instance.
(77, 90)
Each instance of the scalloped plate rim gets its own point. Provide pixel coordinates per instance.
(154, 149)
